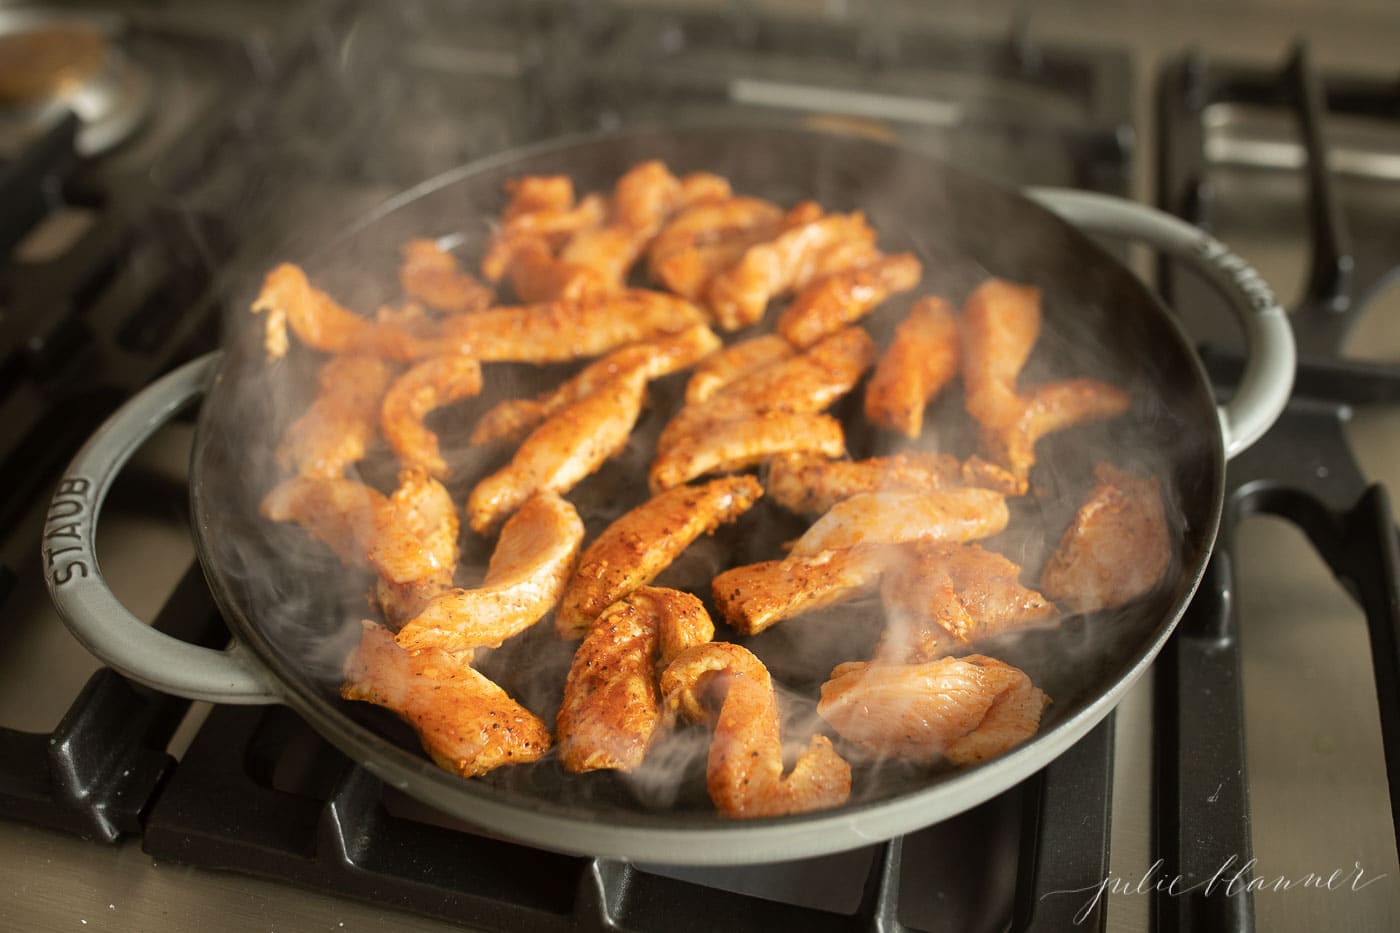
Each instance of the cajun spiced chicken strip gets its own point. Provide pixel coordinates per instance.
(557, 332)
(634, 549)
(288, 298)
(836, 301)
(966, 710)
(955, 514)
(513, 419)
(341, 423)
(468, 724)
(943, 597)
(920, 361)
(431, 275)
(734, 362)
(744, 771)
(736, 445)
(524, 580)
(707, 237)
(427, 510)
(803, 252)
(566, 448)
(1116, 549)
(433, 383)
(807, 484)
(611, 710)
(756, 596)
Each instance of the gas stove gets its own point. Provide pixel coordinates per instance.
(1260, 735)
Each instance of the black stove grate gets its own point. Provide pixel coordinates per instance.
(1323, 492)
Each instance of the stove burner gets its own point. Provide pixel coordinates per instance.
(50, 65)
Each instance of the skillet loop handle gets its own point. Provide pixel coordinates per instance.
(1267, 380)
(89, 608)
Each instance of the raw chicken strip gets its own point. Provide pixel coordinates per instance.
(735, 445)
(433, 383)
(468, 724)
(836, 301)
(956, 514)
(1116, 549)
(341, 423)
(524, 581)
(920, 361)
(566, 448)
(634, 549)
(755, 596)
(611, 709)
(744, 771)
(963, 709)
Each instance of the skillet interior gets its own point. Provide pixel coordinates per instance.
(291, 603)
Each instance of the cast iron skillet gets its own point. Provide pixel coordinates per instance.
(288, 607)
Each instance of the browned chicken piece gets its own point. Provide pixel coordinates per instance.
(513, 419)
(563, 450)
(531, 194)
(467, 723)
(524, 580)
(432, 275)
(744, 770)
(735, 362)
(736, 445)
(288, 298)
(358, 523)
(704, 188)
(966, 710)
(889, 517)
(1116, 549)
(920, 361)
(739, 296)
(634, 549)
(341, 423)
(755, 596)
(806, 383)
(836, 301)
(1000, 324)
(1048, 408)
(611, 710)
(707, 237)
(433, 383)
(537, 275)
(557, 332)
(550, 226)
(427, 510)
(943, 597)
(812, 485)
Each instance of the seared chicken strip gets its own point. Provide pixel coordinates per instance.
(736, 445)
(1116, 549)
(809, 382)
(735, 362)
(611, 709)
(341, 423)
(431, 275)
(548, 225)
(288, 298)
(634, 549)
(556, 332)
(708, 237)
(744, 771)
(1000, 324)
(943, 597)
(537, 275)
(807, 484)
(524, 580)
(794, 258)
(359, 524)
(753, 597)
(966, 710)
(427, 510)
(513, 419)
(567, 447)
(836, 301)
(468, 724)
(894, 516)
(920, 361)
(433, 383)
